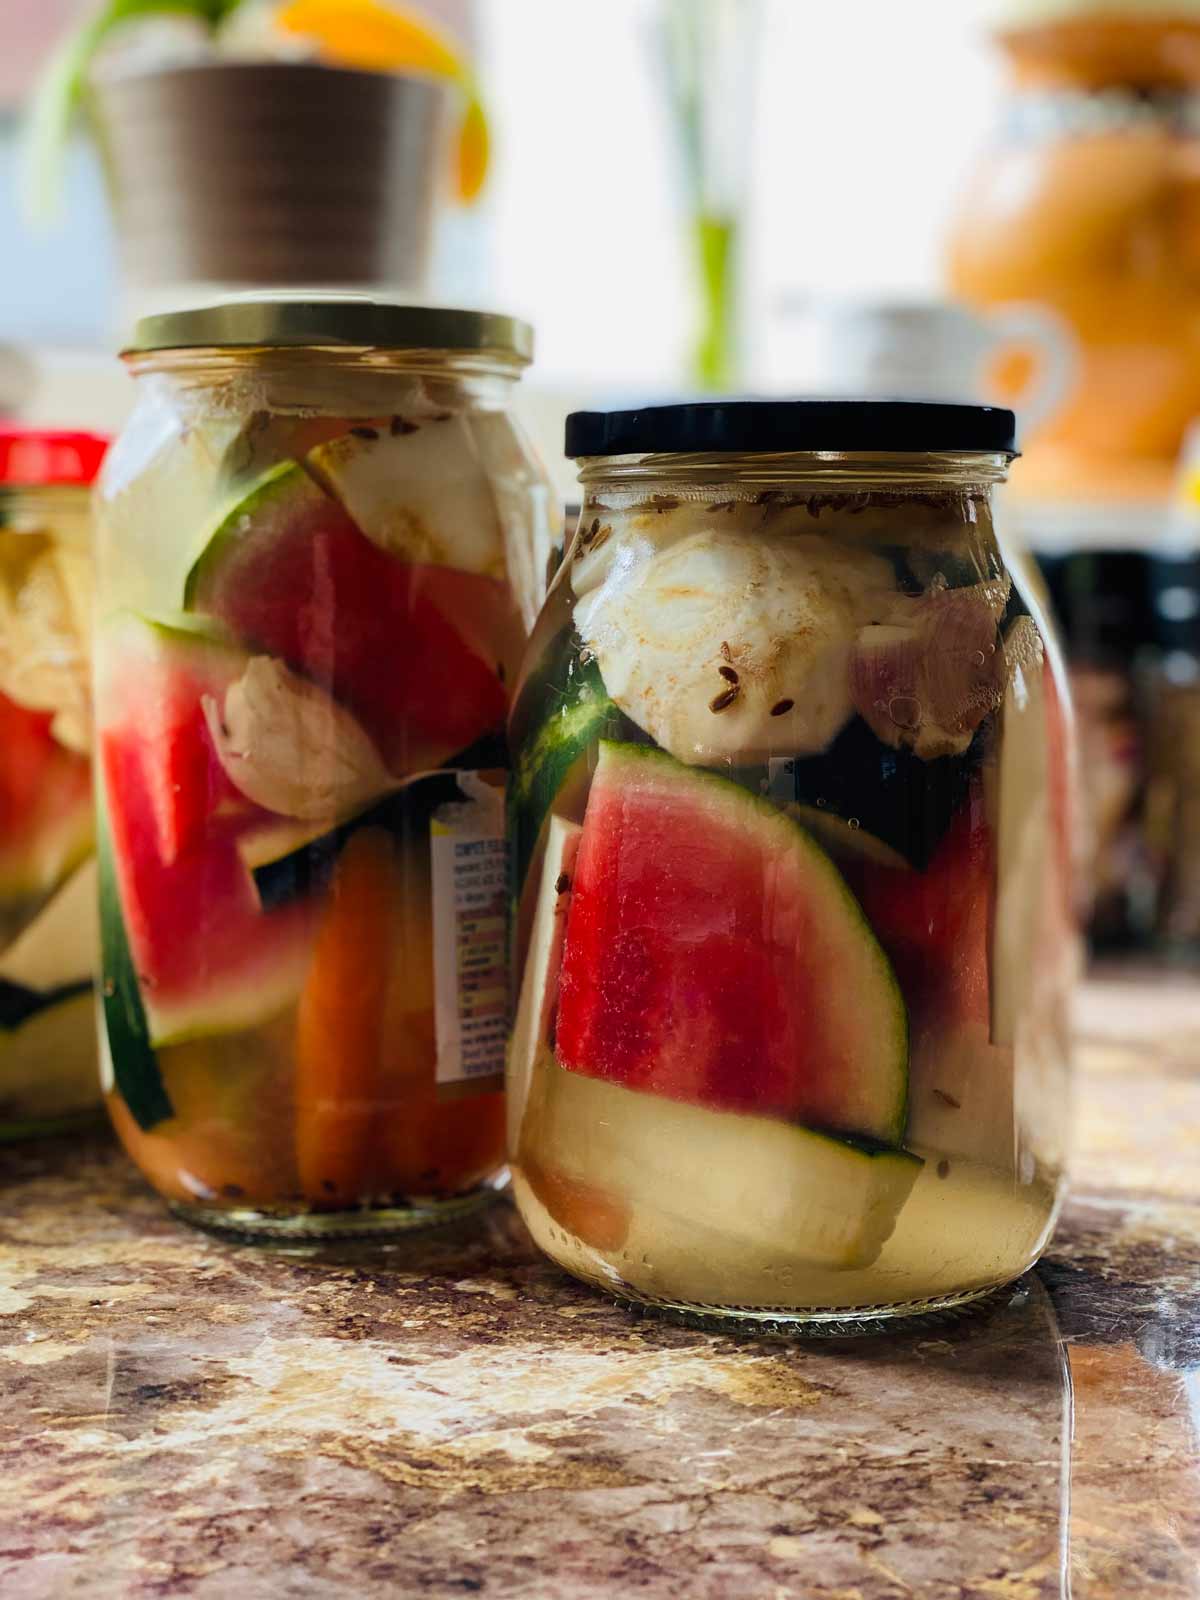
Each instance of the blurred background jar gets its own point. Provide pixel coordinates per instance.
(1172, 688)
(923, 349)
(1088, 201)
(1096, 571)
(48, 1076)
(322, 540)
(1087, 204)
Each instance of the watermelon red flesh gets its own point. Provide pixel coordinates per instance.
(45, 803)
(208, 960)
(385, 637)
(714, 955)
(935, 924)
(184, 782)
(152, 677)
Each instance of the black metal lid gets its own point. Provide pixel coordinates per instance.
(782, 425)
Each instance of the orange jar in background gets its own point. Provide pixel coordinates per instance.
(1089, 203)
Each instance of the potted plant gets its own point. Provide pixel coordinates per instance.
(297, 142)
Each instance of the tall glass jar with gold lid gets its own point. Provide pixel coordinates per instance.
(322, 539)
(48, 941)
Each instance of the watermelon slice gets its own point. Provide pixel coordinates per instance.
(128, 1062)
(714, 954)
(734, 1192)
(208, 960)
(45, 804)
(403, 644)
(566, 717)
(936, 927)
(934, 924)
(562, 712)
(417, 488)
(48, 1066)
(59, 948)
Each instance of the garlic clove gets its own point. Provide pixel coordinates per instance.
(927, 675)
(290, 748)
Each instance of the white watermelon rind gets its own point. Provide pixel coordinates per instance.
(702, 1184)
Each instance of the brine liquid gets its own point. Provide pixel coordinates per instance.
(974, 1229)
(793, 935)
(300, 710)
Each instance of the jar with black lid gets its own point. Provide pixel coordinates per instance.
(791, 843)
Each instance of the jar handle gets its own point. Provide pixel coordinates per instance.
(1026, 325)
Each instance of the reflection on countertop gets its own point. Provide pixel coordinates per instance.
(447, 1416)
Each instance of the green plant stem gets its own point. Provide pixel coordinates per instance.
(715, 354)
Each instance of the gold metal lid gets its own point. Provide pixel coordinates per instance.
(316, 322)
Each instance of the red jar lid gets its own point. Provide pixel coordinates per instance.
(49, 457)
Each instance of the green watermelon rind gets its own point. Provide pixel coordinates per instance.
(562, 737)
(584, 717)
(135, 1062)
(276, 487)
(760, 812)
(126, 631)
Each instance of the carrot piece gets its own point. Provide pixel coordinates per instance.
(340, 1026)
(464, 1141)
(440, 1148)
(429, 1146)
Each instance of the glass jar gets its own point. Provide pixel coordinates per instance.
(1170, 681)
(321, 539)
(790, 853)
(1087, 203)
(48, 933)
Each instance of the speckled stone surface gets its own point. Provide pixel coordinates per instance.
(450, 1416)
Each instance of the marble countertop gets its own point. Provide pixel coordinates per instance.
(451, 1416)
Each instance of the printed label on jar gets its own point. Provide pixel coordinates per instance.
(469, 862)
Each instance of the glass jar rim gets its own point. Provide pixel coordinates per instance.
(695, 474)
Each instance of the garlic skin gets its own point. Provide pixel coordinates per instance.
(287, 746)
